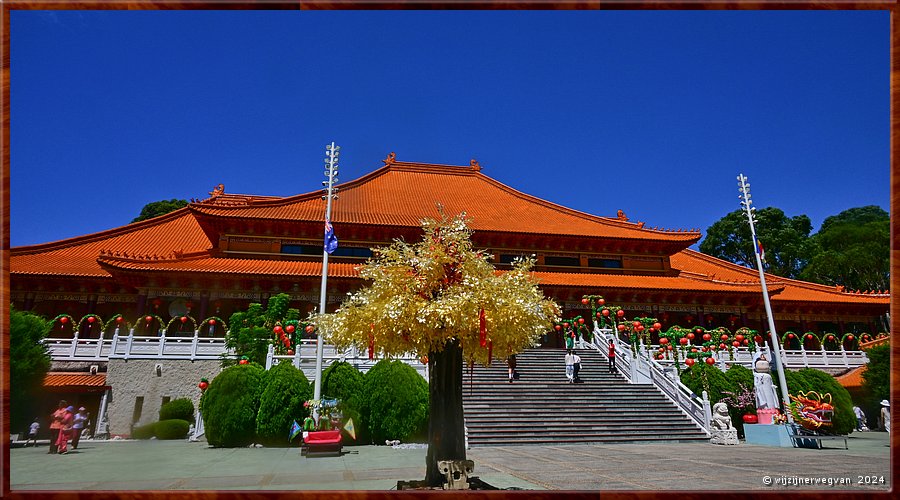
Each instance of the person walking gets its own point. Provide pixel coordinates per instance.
(56, 419)
(860, 418)
(886, 415)
(576, 367)
(33, 432)
(570, 366)
(78, 422)
(612, 357)
(65, 431)
(511, 366)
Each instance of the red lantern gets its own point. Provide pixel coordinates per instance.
(707, 337)
(651, 330)
(683, 341)
(605, 312)
(149, 319)
(558, 328)
(690, 336)
(670, 347)
(91, 319)
(621, 328)
(636, 323)
(694, 349)
(620, 313)
(243, 362)
(739, 337)
(746, 342)
(658, 326)
(601, 302)
(689, 361)
(705, 349)
(599, 315)
(184, 319)
(580, 321)
(849, 337)
(723, 336)
(278, 329)
(189, 304)
(203, 385)
(663, 341)
(710, 361)
(585, 301)
(640, 328)
(831, 337)
(809, 336)
(566, 324)
(310, 328)
(791, 336)
(721, 346)
(290, 328)
(758, 339)
(64, 320)
(120, 320)
(290, 352)
(698, 331)
(736, 343)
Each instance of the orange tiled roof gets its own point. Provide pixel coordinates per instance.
(853, 378)
(690, 261)
(176, 231)
(402, 194)
(686, 283)
(74, 379)
(223, 265)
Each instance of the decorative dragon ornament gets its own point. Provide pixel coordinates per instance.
(811, 409)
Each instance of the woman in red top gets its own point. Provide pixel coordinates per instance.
(65, 431)
(612, 357)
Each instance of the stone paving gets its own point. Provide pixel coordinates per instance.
(181, 465)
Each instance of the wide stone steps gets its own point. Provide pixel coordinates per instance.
(543, 408)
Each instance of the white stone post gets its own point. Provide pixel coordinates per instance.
(128, 343)
(707, 410)
(74, 344)
(100, 345)
(194, 342)
(296, 359)
(270, 357)
(162, 341)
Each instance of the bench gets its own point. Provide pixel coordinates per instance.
(805, 438)
(322, 442)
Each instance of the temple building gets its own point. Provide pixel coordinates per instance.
(217, 255)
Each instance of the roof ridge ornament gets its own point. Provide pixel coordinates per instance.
(390, 160)
(620, 214)
(218, 190)
(473, 163)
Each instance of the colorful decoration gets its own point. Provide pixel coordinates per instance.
(811, 409)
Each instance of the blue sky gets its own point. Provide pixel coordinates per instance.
(651, 112)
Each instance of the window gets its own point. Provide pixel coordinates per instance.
(605, 263)
(352, 252)
(562, 261)
(302, 249)
(166, 399)
(138, 408)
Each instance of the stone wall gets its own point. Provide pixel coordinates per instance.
(135, 378)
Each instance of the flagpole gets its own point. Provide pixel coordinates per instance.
(744, 187)
(331, 163)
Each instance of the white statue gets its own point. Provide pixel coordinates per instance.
(766, 397)
(720, 418)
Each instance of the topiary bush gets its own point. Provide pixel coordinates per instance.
(843, 420)
(739, 376)
(285, 389)
(396, 402)
(230, 405)
(703, 377)
(171, 429)
(143, 432)
(181, 409)
(345, 383)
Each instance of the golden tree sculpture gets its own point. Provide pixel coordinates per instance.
(442, 299)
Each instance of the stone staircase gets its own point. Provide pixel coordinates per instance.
(543, 408)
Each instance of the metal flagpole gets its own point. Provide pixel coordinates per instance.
(744, 187)
(331, 164)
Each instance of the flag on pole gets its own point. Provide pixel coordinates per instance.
(295, 431)
(331, 241)
(349, 428)
(761, 251)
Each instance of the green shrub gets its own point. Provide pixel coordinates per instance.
(143, 432)
(285, 389)
(703, 377)
(171, 429)
(230, 405)
(181, 409)
(843, 420)
(345, 383)
(396, 402)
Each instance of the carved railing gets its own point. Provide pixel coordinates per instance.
(304, 358)
(135, 347)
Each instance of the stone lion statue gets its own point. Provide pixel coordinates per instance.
(720, 418)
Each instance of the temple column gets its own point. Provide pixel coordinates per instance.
(141, 303)
(204, 306)
(92, 303)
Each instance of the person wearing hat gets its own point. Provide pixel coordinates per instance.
(78, 422)
(65, 431)
(886, 415)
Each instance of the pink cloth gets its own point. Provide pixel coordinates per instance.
(64, 432)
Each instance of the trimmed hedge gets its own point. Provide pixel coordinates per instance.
(843, 420)
(285, 389)
(396, 402)
(703, 377)
(230, 405)
(181, 409)
(143, 432)
(171, 429)
(345, 383)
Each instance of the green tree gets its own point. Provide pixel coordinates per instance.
(852, 249)
(285, 389)
(345, 383)
(230, 404)
(157, 208)
(442, 299)
(396, 401)
(29, 363)
(877, 375)
(252, 330)
(785, 239)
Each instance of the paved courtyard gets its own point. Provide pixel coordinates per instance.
(180, 465)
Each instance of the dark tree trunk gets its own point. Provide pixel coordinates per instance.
(446, 429)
